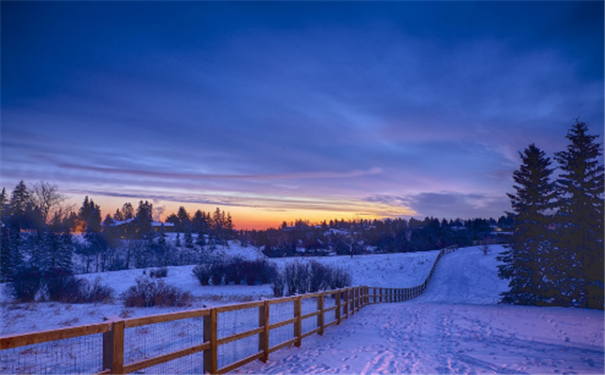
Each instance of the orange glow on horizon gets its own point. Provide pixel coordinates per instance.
(243, 217)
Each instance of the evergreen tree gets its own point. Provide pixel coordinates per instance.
(528, 261)
(4, 212)
(7, 267)
(580, 217)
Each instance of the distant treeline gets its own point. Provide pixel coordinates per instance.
(383, 236)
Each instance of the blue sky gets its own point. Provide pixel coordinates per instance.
(285, 110)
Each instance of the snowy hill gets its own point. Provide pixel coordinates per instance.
(456, 327)
(381, 270)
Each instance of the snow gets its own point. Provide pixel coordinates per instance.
(455, 327)
(381, 270)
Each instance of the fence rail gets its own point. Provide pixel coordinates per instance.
(213, 340)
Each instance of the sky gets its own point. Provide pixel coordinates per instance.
(275, 111)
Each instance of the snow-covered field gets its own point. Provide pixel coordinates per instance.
(384, 270)
(454, 328)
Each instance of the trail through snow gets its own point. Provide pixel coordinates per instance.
(454, 328)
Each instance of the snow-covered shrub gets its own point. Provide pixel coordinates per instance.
(66, 288)
(340, 278)
(296, 275)
(149, 293)
(259, 270)
(203, 273)
(98, 292)
(217, 272)
(319, 276)
(26, 284)
(158, 272)
(63, 286)
(278, 286)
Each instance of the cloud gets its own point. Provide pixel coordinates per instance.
(449, 205)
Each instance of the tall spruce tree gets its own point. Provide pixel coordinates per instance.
(580, 218)
(528, 259)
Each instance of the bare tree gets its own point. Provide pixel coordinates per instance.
(47, 198)
(485, 246)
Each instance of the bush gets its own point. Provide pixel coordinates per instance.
(320, 276)
(98, 292)
(66, 288)
(217, 271)
(312, 277)
(237, 269)
(202, 273)
(340, 278)
(26, 284)
(149, 293)
(158, 272)
(278, 286)
(296, 276)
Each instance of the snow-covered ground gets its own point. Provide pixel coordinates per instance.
(383, 270)
(455, 327)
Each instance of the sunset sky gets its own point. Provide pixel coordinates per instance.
(277, 111)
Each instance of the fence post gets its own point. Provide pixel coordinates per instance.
(345, 305)
(375, 295)
(380, 294)
(210, 355)
(113, 347)
(320, 317)
(263, 337)
(352, 299)
(298, 323)
(338, 308)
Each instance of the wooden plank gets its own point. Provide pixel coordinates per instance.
(263, 338)
(310, 333)
(282, 300)
(117, 366)
(240, 363)
(211, 354)
(298, 323)
(330, 324)
(282, 345)
(338, 309)
(311, 295)
(136, 322)
(320, 317)
(239, 336)
(310, 315)
(284, 323)
(331, 308)
(15, 341)
(239, 306)
(165, 358)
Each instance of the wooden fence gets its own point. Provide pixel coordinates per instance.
(296, 317)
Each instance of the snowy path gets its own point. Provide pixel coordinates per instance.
(470, 334)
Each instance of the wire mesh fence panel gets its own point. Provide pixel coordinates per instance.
(309, 324)
(281, 334)
(329, 300)
(237, 350)
(329, 316)
(189, 364)
(230, 323)
(308, 305)
(156, 339)
(78, 355)
(280, 312)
